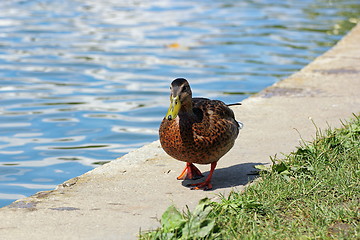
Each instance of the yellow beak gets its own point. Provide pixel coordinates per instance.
(174, 108)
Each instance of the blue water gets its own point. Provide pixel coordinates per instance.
(85, 82)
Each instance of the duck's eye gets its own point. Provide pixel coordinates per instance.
(185, 88)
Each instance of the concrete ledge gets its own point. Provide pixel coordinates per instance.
(116, 200)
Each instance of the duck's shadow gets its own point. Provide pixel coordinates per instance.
(228, 177)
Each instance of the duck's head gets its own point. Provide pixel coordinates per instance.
(180, 98)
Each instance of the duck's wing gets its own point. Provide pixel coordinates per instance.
(215, 119)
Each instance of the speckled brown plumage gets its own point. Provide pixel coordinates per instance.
(203, 137)
(203, 130)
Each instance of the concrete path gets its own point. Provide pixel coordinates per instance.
(116, 200)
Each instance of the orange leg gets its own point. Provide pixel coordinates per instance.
(206, 185)
(190, 172)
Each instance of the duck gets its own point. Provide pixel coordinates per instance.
(197, 131)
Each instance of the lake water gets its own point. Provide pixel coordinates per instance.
(85, 82)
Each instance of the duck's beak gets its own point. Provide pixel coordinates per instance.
(174, 108)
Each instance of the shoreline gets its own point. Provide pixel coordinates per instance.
(116, 200)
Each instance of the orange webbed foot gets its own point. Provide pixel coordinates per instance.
(190, 172)
(206, 185)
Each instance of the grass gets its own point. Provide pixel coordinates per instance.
(312, 193)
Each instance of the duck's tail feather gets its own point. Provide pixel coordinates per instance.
(233, 104)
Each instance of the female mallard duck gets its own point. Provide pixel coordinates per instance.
(196, 130)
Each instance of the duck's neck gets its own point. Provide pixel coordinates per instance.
(187, 107)
(186, 110)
